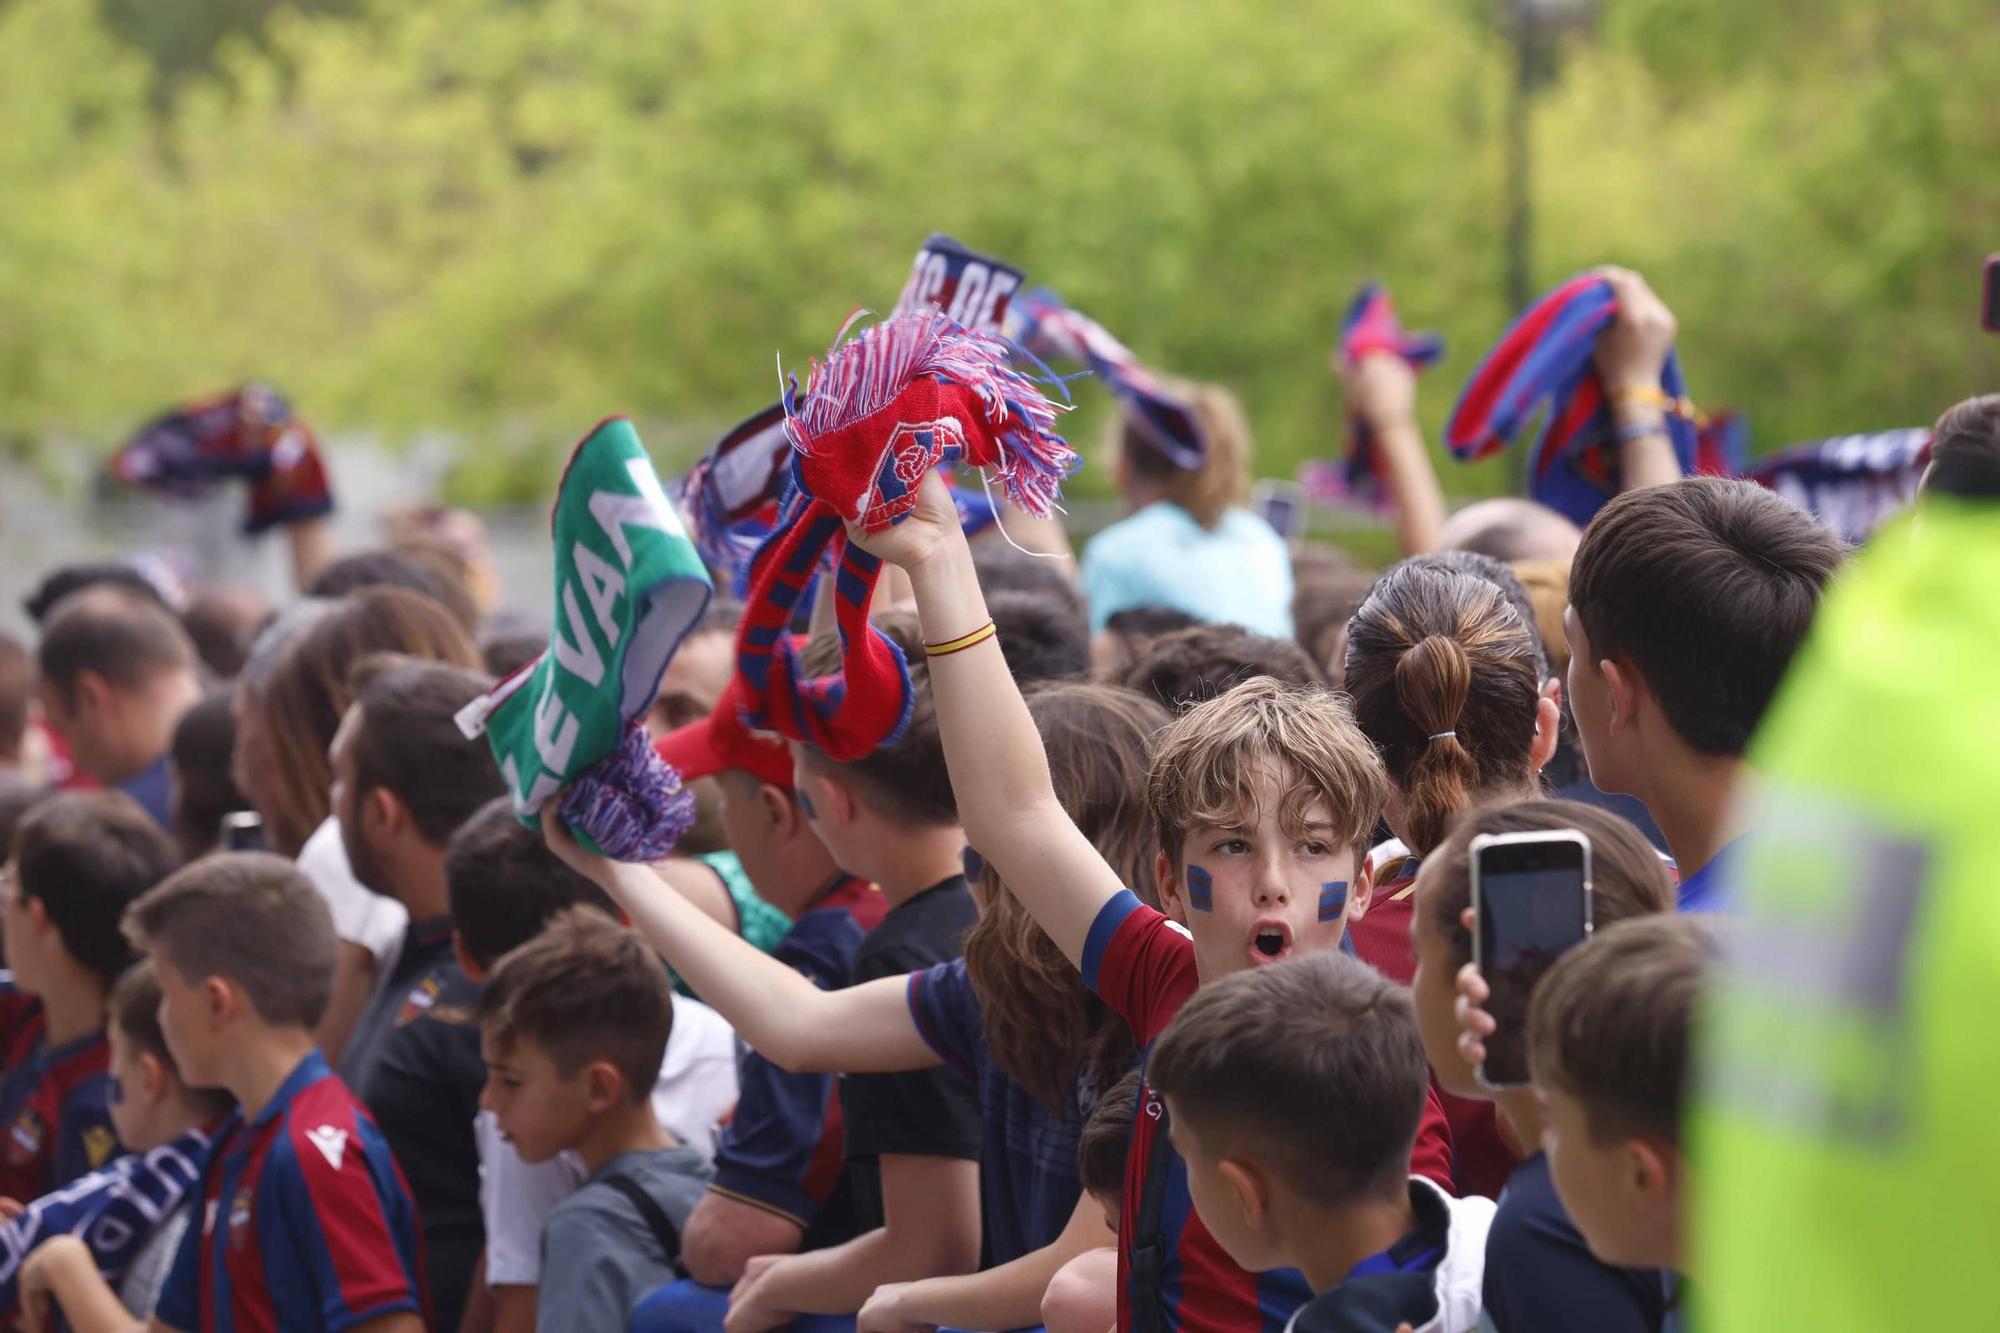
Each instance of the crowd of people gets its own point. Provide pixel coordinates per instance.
(1129, 985)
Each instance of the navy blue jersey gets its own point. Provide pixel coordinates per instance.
(1540, 1275)
(1028, 1185)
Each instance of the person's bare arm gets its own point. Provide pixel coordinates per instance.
(353, 983)
(513, 1308)
(61, 1274)
(404, 1322)
(1382, 391)
(931, 1224)
(311, 541)
(723, 1234)
(1629, 357)
(778, 1011)
(1006, 1296)
(999, 770)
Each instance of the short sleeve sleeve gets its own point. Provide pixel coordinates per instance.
(335, 1216)
(1140, 963)
(947, 1014)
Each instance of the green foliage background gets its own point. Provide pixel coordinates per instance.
(506, 218)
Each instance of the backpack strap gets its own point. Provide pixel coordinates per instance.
(665, 1233)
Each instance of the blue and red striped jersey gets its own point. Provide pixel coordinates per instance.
(55, 1116)
(1142, 964)
(306, 1221)
(785, 1148)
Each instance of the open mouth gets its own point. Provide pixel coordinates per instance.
(1270, 943)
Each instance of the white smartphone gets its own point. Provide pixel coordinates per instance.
(1531, 903)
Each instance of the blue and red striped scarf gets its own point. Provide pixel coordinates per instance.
(1544, 360)
(1050, 332)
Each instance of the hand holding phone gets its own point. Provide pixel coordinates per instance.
(1531, 904)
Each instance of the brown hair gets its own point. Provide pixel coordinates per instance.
(1202, 661)
(17, 682)
(1105, 1138)
(1324, 598)
(1965, 449)
(115, 633)
(505, 884)
(1446, 681)
(1223, 479)
(1206, 763)
(86, 855)
(1705, 587)
(906, 777)
(250, 918)
(1609, 1024)
(1627, 877)
(409, 742)
(134, 1009)
(1314, 1064)
(585, 989)
(308, 692)
(1042, 1024)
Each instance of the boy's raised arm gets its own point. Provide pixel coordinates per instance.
(781, 1014)
(999, 770)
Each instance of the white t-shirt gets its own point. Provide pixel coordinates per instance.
(694, 1094)
(372, 920)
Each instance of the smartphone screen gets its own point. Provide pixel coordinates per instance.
(242, 831)
(1531, 893)
(1990, 314)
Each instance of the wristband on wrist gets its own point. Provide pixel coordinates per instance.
(962, 642)
(1640, 430)
(1650, 395)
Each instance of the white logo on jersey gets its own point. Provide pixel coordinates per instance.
(331, 1142)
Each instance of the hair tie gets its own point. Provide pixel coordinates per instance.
(1438, 736)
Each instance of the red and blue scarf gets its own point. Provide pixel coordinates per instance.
(250, 434)
(1544, 360)
(886, 406)
(1369, 328)
(1050, 332)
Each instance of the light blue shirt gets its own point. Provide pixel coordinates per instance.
(1241, 573)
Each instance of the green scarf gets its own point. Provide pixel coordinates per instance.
(628, 587)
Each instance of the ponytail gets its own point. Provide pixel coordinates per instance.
(1432, 681)
(1446, 680)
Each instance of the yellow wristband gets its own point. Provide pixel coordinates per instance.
(1651, 395)
(962, 642)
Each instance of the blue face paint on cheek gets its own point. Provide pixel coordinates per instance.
(114, 1090)
(1332, 900)
(1201, 889)
(806, 804)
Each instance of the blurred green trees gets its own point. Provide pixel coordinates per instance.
(506, 218)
